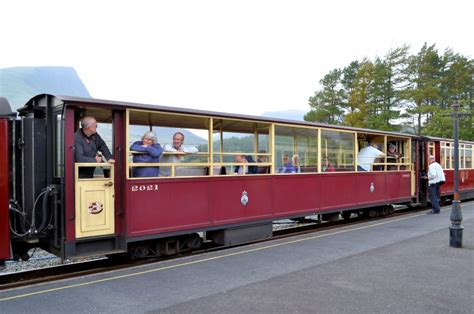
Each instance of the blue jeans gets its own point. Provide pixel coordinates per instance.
(359, 168)
(434, 197)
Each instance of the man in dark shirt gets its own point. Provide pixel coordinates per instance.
(87, 144)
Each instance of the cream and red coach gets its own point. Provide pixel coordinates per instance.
(49, 206)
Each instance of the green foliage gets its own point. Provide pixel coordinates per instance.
(399, 92)
(326, 104)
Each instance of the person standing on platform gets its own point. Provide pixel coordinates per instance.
(87, 145)
(435, 179)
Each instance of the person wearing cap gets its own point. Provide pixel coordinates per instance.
(393, 156)
(87, 145)
(147, 150)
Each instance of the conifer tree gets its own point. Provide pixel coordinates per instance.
(326, 104)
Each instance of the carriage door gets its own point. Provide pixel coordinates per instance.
(95, 201)
(95, 188)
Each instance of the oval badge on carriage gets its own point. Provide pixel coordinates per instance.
(244, 199)
(95, 208)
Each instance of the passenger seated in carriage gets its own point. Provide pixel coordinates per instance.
(295, 160)
(326, 166)
(288, 166)
(149, 151)
(393, 156)
(241, 169)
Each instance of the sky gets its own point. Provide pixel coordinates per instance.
(245, 57)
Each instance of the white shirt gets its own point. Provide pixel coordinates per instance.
(165, 158)
(367, 156)
(435, 173)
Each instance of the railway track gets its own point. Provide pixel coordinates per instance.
(35, 276)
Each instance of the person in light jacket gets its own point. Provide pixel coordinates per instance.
(176, 147)
(435, 179)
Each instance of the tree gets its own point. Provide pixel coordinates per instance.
(399, 92)
(385, 94)
(423, 90)
(456, 83)
(326, 104)
(358, 104)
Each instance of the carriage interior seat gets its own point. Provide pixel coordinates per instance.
(191, 171)
(309, 169)
(217, 171)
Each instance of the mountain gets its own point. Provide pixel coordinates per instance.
(20, 84)
(165, 135)
(291, 114)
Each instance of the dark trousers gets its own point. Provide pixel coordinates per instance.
(434, 197)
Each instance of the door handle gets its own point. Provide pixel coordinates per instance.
(109, 184)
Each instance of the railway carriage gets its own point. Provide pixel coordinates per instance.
(44, 203)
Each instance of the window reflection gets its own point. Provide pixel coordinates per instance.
(338, 147)
(296, 149)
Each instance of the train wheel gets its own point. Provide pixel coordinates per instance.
(139, 252)
(390, 209)
(346, 215)
(372, 213)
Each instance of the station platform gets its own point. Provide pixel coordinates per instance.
(396, 265)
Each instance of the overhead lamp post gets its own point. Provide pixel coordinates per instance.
(456, 229)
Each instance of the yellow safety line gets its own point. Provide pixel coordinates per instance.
(204, 260)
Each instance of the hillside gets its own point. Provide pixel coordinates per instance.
(20, 84)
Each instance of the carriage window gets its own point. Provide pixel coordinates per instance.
(398, 154)
(431, 149)
(241, 147)
(296, 149)
(468, 156)
(446, 155)
(465, 156)
(104, 120)
(338, 148)
(58, 146)
(181, 139)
